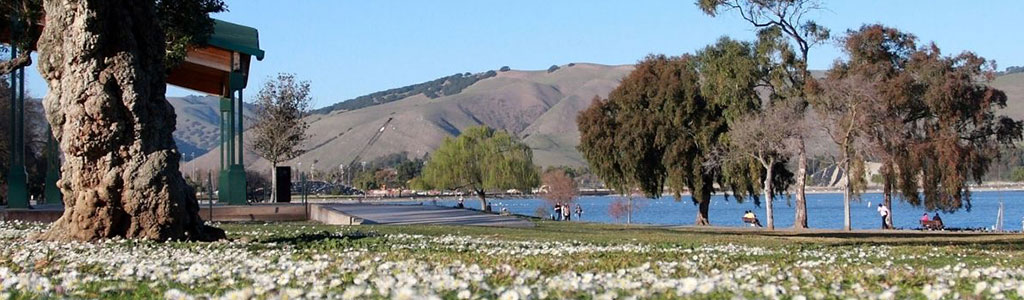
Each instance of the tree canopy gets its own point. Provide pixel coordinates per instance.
(662, 126)
(932, 120)
(280, 129)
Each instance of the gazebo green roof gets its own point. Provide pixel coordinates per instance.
(234, 37)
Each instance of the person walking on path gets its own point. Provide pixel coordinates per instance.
(884, 212)
(558, 212)
(579, 211)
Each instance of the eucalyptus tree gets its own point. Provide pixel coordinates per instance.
(778, 20)
(480, 159)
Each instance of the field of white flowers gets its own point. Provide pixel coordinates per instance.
(288, 261)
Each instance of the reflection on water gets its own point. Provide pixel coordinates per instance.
(823, 210)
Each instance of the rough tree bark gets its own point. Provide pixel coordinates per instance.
(103, 62)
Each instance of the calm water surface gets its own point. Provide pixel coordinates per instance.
(823, 210)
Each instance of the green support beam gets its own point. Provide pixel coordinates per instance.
(232, 177)
(17, 178)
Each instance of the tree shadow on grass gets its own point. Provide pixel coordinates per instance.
(324, 239)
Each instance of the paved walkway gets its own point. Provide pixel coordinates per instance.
(426, 214)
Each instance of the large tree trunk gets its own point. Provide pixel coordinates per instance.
(800, 220)
(103, 62)
(768, 197)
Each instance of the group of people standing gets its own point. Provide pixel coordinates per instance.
(564, 212)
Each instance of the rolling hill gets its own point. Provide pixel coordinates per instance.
(539, 106)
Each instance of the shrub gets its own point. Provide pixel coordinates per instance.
(553, 68)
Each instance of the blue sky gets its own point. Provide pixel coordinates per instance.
(351, 48)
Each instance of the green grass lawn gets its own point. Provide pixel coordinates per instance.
(550, 261)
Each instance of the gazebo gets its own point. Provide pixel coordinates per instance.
(218, 67)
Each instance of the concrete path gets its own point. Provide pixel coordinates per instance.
(425, 214)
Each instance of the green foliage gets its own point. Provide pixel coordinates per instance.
(444, 86)
(366, 181)
(504, 69)
(480, 159)
(553, 68)
(185, 23)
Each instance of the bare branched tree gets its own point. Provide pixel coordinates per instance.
(280, 129)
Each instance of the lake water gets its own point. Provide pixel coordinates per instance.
(823, 210)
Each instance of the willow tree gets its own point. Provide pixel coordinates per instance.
(481, 159)
(777, 20)
(104, 62)
(656, 128)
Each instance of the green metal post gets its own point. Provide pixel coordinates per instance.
(17, 178)
(224, 179)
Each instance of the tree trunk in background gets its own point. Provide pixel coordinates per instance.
(483, 200)
(103, 62)
(768, 197)
(273, 182)
(800, 220)
(847, 192)
(702, 213)
(887, 194)
(703, 206)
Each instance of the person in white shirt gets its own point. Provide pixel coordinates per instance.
(884, 212)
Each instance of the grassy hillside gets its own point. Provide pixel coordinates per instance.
(538, 106)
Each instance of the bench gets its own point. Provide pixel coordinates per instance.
(932, 224)
(752, 221)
